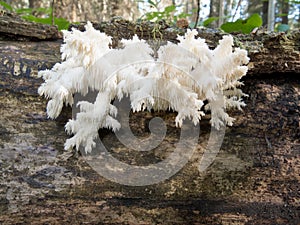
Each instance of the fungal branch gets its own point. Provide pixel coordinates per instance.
(181, 78)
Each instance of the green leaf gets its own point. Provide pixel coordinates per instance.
(170, 9)
(208, 21)
(29, 18)
(62, 23)
(35, 19)
(184, 15)
(24, 11)
(152, 3)
(243, 26)
(255, 19)
(6, 6)
(294, 2)
(282, 14)
(282, 27)
(152, 15)
(43, 10)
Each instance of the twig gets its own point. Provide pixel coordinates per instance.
(236, 9)
(52, 13)
(198, 12)
(268, 142)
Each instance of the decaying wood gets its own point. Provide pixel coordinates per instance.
(255, 178)
(269, 52)
(13, 26)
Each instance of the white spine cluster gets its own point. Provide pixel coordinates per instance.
(180, 78)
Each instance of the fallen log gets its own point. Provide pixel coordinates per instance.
(12, 26)
(254, 179)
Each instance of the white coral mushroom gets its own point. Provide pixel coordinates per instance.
(180, 78)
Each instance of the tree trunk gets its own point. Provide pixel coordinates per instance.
(31, 3)
(253, 180)
(213, 11)
(221, 13)
(256, 6)
(102, 10)
(265, 12)
(194, 10)
(285, 11)
(271, 15)
(228, 8)
(38, 4)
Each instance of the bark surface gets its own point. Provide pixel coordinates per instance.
(255, 178)
(12, 26)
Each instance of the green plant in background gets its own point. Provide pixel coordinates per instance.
(279, 27)
(168, 14)
(208, 21)
(46, 17)
(6, 6)
(61, 23)
(243, 26)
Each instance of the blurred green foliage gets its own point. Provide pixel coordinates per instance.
(243, 26)
(169, 14)
(45, 17)
(282, 27)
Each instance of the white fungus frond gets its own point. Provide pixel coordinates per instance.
(181, 77)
